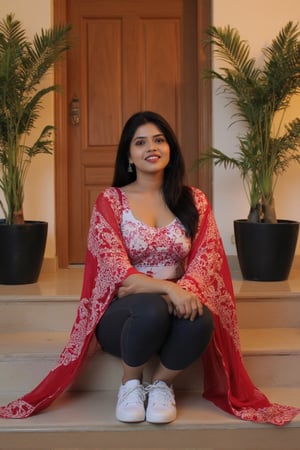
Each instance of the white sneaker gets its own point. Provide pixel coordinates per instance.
(161, 403)
(130, 406)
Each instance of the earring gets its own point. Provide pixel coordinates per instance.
(130, 170)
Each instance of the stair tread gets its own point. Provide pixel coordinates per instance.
(90, 411)
(257, 290)
(31, 344)
(65, 284)
(270, 340)
(253, 341)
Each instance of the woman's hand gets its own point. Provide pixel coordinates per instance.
(181, 303)
(185, 304)
(127, 290)
(133, 289)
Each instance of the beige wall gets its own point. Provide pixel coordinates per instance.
(258, 21)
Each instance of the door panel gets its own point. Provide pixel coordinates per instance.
(127, 55)
(102, 80)
(160, 61)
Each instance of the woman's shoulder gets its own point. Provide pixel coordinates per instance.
(200, 199)
(198, 194)
(111, 192)
(112, 195)
(110, 199)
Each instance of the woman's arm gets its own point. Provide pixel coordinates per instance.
(181, 302)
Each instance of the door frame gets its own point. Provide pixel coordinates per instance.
(204, 15)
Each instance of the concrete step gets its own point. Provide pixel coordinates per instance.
(87, 420)
(37, 315)
(25, 358)
(268, 312)
(51, 304)
(57, 314)
(35, 321)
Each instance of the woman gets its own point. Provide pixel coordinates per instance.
(156, 282)
(152, 314)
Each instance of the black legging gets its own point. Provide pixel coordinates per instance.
(139, 326)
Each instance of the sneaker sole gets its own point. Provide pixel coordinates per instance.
(130, 419)
(160, 419)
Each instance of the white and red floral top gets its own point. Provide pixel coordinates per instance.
(202, 269)
(156, 252)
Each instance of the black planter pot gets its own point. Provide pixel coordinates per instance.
(266, 251)
(22, 250)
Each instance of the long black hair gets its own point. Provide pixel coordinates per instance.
(178, 196)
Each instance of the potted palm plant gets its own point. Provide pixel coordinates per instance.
(23, 64)
(260, 94)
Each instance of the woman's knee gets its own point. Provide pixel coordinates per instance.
(187, 341)
(203, 325)
(198, 331)
(208, 319)
(152, 308)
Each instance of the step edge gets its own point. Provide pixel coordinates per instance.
(212, 417)
(57, 340)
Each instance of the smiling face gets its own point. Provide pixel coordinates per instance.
(149, 150)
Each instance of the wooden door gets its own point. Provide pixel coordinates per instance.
(127, 55)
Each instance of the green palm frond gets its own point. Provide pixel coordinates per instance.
(231, 49)
(220, 158)
(258, 94)
(23, 64)
(43, 144)
(282, 66)
(286, 147)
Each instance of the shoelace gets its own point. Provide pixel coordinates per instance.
(139, 391)
(161, 393)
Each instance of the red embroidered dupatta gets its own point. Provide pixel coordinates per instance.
(226, 382)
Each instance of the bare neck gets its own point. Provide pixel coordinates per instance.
(147, 184)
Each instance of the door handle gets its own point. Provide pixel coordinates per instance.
(75, 111)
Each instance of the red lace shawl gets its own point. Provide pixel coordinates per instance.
(226, 382)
